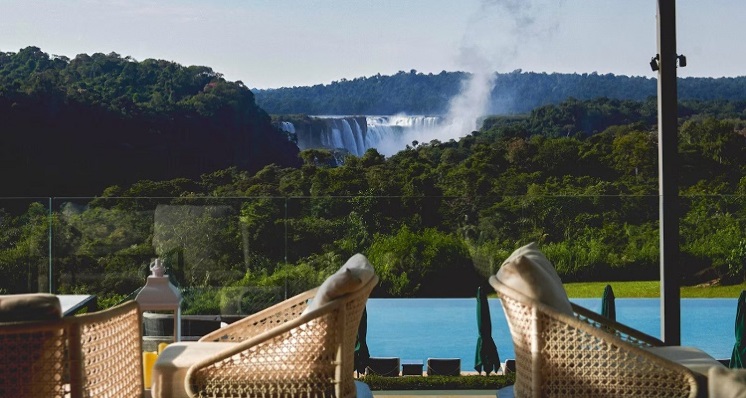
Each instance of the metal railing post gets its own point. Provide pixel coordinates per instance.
(668, 169)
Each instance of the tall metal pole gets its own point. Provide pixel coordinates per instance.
(668, 169)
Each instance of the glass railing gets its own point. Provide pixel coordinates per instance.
(234, 256)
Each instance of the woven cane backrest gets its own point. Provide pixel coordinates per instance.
(621, 331)
(106, 352)
(563, 356)
(262, 321)
(91, 355)
(32, 359)
(310, 356)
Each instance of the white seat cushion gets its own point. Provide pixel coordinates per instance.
(692, 358)
(726, 383)
(359, 265)
(353, 275)
(529, 272)
(171, 367)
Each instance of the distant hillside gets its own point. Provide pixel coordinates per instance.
(74, 127)
(514, 93)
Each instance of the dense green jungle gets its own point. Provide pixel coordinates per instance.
(72, 127)
(578, 177)
(517, 92)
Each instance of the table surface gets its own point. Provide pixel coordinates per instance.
(72, 303)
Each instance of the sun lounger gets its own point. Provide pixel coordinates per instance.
(508, 366)
(444, 366)
(411, 367)
(383, 366)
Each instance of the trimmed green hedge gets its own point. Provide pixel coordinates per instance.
(470, 382)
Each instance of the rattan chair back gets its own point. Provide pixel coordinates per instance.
(558, 355)
(290, 354)
(105, 352)
(264, 320)
(89, 355)
(32, 359)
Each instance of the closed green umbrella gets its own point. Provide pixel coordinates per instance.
(608, 306)
(361, 345)
(738, 358)
(486, 356)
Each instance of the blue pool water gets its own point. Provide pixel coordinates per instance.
(447, 328)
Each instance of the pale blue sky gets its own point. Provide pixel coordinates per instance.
(274, 43)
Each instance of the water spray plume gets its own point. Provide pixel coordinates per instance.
(495, 32)
(499, 30)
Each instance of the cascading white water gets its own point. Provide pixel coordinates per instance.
(336, 138)
(288, 127)
(359, 140)
(388, 134)
(348, 138)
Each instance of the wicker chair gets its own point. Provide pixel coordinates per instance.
(262, 321)
(105, 352)
(564, 350)
(285, 350)
(32, 362)
(91, 355)
(587, 355)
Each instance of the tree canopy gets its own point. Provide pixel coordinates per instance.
(75, 126)
(516, 92)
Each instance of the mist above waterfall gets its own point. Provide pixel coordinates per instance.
(498, 31)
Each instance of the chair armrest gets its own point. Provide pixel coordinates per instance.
(296, 358)
(269, 318)
(620, 330)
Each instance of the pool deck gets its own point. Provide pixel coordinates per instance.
(506, 392)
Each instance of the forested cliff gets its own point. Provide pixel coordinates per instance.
(70, 127)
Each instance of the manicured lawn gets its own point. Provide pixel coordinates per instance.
(648, 289)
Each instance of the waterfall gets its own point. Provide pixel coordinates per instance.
(288, 127)
(359, 140)
(356, 134)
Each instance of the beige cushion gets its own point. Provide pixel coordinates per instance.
(726, 383)
(529, 272)
(353, 275)
(169, 372)
(360, 267)
(29, 307)
(692, 358)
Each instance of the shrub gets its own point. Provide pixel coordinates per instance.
(468, 382)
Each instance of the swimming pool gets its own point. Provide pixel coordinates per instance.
(447, 328)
